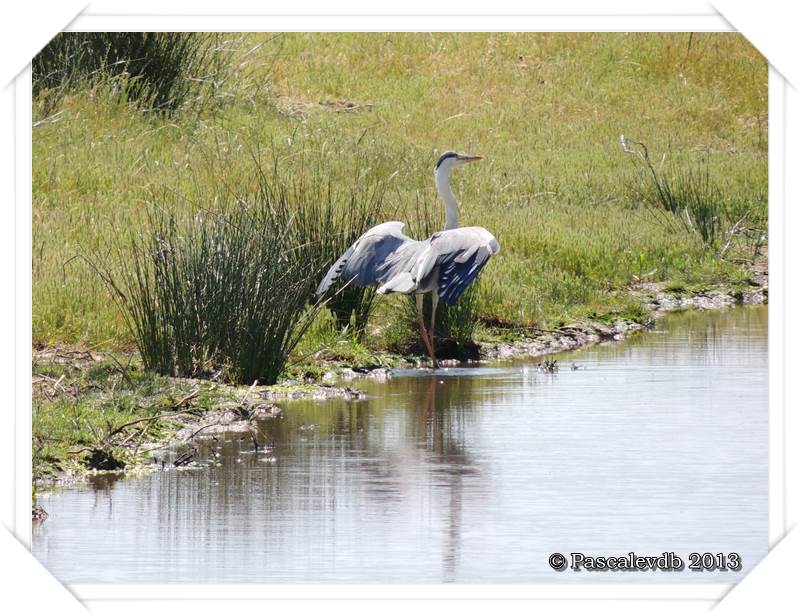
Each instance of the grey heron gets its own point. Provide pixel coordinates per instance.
(444, 264)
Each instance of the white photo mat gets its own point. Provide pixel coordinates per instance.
(103, 19)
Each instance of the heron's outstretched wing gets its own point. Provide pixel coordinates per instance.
(459, 254)
(366, 262)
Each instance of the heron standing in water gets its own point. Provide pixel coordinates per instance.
(443, 265)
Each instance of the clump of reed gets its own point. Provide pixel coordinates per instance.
(689, 201)
(228, 289)
(223, 292)
(156, 70)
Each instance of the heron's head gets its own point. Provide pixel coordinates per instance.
(448, 160)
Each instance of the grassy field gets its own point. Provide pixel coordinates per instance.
(546, 111)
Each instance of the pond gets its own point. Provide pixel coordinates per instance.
(470, 475)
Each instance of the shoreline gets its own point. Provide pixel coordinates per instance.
(657, 300)
(208, 407)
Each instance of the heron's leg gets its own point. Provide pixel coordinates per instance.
(434, 301)
(422, 332)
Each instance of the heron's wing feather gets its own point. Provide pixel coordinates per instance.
(365, 262)
(460, 255)
(402, 259)
(455, 277)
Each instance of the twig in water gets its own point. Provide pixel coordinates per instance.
(250, 390)
(154, 417)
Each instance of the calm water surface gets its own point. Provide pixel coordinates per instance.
(468, 475)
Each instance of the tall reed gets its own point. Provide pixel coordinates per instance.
(688, 200)
(224, 292)
(157, 70)
(230, 288)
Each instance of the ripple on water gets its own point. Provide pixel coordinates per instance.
(472, 474)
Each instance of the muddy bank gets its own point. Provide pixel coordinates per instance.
(126, 414)
(654, 297)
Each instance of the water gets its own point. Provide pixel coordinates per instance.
(469, 475)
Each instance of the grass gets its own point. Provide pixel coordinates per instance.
(158, 71)
(545, 110)
(82, 408)
(228, 288)
(355, 122)
(685, 199)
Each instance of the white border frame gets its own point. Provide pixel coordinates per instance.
(697, 22)
(777, 310)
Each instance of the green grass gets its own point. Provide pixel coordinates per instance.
(81, 408)
(159, 71)
(545, 110)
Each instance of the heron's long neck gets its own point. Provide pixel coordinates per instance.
(443, 187)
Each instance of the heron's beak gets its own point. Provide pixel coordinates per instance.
(470, 158)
